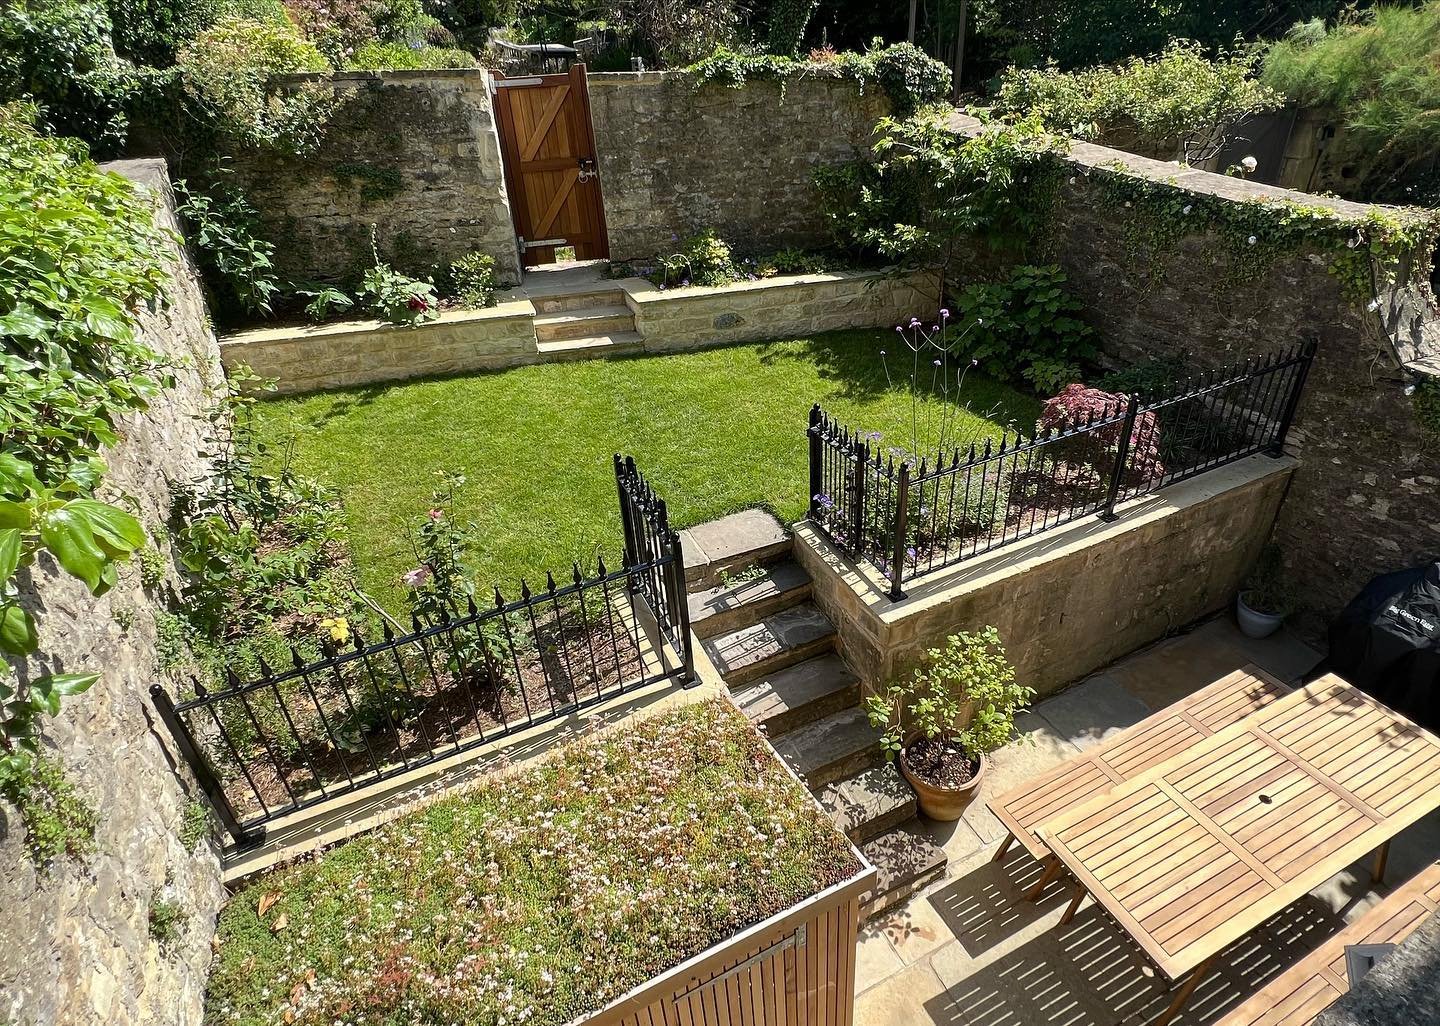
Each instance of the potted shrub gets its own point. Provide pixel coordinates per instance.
(952, 712)
(1264, 602)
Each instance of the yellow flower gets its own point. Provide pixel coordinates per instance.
(338, 627)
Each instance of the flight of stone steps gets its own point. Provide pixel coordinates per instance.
(750, 605)
(593, 321)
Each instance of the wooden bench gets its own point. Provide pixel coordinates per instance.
(1126, 755)
(1299, 994)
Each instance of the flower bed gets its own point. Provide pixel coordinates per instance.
(536, 897)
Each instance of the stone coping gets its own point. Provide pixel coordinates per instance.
(641, 290)
(513, 309)
(1091, 156)
(943, 586)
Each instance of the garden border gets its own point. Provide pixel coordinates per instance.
(350, 353)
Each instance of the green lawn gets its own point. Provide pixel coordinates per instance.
(715, 432)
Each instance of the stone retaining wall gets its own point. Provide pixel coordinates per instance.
(789, 307)
(362, 352)
(1366, 499)
(676, 158)
(75, 945)
(1070, 600)
(414, 152)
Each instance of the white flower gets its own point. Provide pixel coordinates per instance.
(1249, 164)
(1252, 240)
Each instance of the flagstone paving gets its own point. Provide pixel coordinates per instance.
(970, 951)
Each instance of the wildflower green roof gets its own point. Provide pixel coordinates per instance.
(537, 896)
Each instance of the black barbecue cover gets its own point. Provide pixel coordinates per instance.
(1387, 642)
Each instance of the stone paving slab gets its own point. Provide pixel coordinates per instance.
(752, 535)
(1092, 711)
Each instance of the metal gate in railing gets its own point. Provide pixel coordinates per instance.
(349, 716)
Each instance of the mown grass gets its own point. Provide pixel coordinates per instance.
(535, 897)
(715, 432)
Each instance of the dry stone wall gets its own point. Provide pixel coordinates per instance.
(75, 944)
(1366, 497)
(414, 152)
(676, 158)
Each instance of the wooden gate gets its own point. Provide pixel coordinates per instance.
(553, 179)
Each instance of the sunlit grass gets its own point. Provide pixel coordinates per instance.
(715, 431)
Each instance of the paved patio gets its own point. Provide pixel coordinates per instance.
(970, 951)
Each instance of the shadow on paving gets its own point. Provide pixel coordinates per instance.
(1089, 973)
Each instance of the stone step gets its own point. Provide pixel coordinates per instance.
(779, 640)
(584, 323)
(600, 346)
(578, 300)
(869, 803)
(731, 545)
(831, 748)
(758, 592)
(907, 861)
(787, 699)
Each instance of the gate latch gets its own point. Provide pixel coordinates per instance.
(587, 169)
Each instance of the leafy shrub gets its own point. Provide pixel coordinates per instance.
(58, 55)
(1178, 96)
(337, 27)
(224, 227)
(1265, 589)
(1152, 378)
(166, 921)
(932, 189)
(226, 71)
(323, 301)
(153, 32)
(702, 259)
(398, 56)
(788, 19)
(59, 822)
(1077, 406)
(1379, 72)
(393, 296)
(470, 281)
(1026, 326)
(970, 673)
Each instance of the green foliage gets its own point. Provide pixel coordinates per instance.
(195, 824)
(153, 567)
(1380, 72)
(1026, 326)
(788, 19)
(1154, 377)
(702, 259)
(398, 56)
(224, 227)
(59, 822)
(1425, 400)
(909, 77)
(323, 301)
(376, 183)
(966, 692)
(80, 255)
(153, 32)
(226, 71)
(58, 55)
(932, 191)
(1178, 97)
(634, 864)
(264, 549)
(393, 296)
(470, 281)
(1265, 589)
(166, 921)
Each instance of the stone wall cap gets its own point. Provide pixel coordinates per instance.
(1092, 156)
(518, 310)
(641, 290)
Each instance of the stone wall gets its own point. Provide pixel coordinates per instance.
(75, 947)
(676, 159)
(789, 307)
(1366, 498)
(414, 152)
(1071, 600)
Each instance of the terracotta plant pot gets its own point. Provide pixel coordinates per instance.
(943, 803)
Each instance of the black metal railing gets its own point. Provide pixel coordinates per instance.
(363, 712)
(910, 517)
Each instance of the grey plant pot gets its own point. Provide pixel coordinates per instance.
(1253, 623)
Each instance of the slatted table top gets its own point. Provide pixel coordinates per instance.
(1198, 851)
(1131, 752)
(1317, 981)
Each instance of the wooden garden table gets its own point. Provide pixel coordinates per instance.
(1196, 852)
